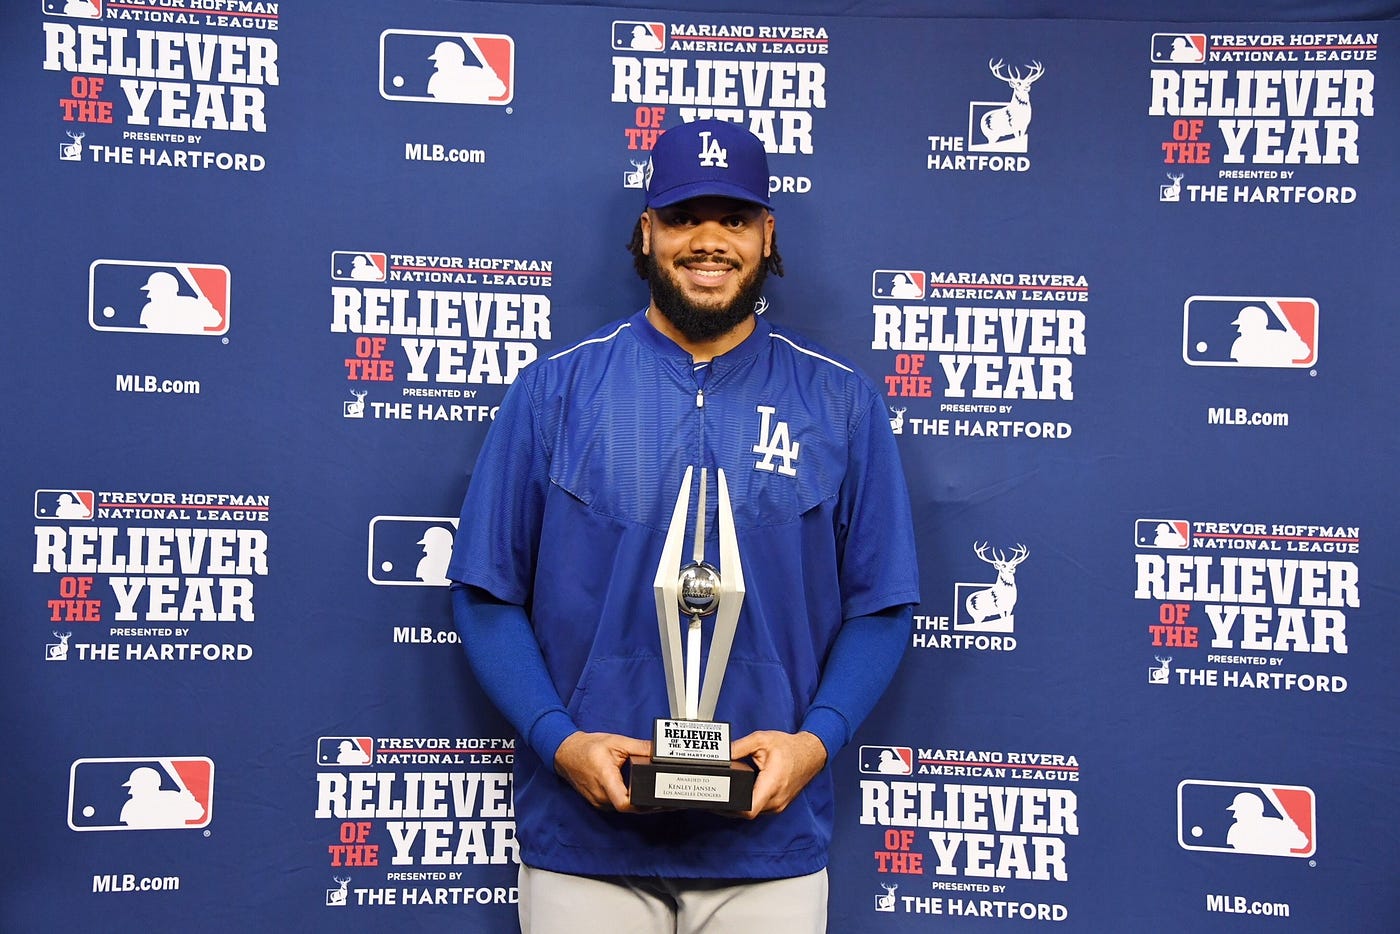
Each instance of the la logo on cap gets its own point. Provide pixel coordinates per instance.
(711, 152)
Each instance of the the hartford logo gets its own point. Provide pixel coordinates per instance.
(446, 67)
(636, 36)
(140, 793)
(1250, 331)
(359, 266)
(984, 607)
(1001, 126)
(158, 297)
(339, 896)
(998, 132)
(1240, 817)
(410, 551)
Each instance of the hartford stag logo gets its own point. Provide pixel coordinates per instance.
(1250, 331)
(984, 607)
(158, 297)
(410, 551)
(1247, 818)
(140, 793)
(339, 896)
(446, 67)
(1003, 126)
(998, 132)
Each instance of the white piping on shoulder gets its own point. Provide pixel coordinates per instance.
(810, 353)
(596, 340)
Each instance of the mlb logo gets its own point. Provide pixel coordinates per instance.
(158, 298)
(446, 67)
(344, 750)
(80, 9)
(630, 35)
(1240, 817)
(359, 266)
(887, 760)
(1250, 331)
(897, 283)
(64, 504)
(1182, 48)
(140, 793)
(1162, 533)
(410, 551)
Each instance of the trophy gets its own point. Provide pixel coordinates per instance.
(689, 766)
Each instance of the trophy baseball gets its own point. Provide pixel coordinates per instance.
(690, 765)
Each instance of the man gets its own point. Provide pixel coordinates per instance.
(559, 544)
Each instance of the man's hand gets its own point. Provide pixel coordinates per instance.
(786, 763)
(592, 763)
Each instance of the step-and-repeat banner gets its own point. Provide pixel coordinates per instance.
(1130, 290)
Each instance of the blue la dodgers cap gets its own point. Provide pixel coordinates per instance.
(707, 157)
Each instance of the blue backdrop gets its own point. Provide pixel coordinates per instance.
(1129, 287)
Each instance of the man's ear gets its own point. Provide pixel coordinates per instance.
(646, 233)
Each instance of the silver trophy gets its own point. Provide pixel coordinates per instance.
(690, 764)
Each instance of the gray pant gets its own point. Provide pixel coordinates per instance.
(556, 903)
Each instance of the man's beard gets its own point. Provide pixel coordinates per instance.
(702, 323)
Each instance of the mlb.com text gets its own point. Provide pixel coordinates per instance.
(127, 882)
(132, 382)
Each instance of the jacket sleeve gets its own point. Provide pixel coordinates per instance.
(861, 665)
(506, 660)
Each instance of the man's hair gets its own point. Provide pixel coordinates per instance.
(773, 260)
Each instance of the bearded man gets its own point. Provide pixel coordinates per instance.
(557, 553)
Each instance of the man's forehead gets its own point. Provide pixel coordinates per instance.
(712, 204)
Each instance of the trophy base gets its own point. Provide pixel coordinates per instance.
(722, 786)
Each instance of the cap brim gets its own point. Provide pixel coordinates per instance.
(705, 189)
